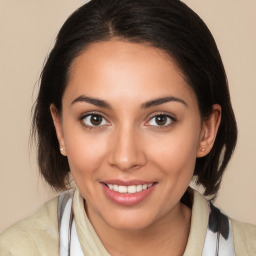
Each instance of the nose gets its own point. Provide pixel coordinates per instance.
(127, 150)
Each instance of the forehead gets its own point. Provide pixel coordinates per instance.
(131, 70)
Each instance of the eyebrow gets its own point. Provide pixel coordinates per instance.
(93, 101)
(148, 104)
(160, 101)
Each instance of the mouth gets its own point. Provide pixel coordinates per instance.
(132, 189)
(128, 193)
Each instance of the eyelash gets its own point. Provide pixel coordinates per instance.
(170, 120)
(93, 126)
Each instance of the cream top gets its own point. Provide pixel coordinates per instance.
(38, 234)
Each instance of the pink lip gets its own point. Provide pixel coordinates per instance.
(126, 199)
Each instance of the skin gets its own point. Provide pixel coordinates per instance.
(129, 144)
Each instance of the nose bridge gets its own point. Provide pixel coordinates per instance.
(126, 150)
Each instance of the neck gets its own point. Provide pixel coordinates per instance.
(168, 234)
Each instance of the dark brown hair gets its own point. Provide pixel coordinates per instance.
(167, 24)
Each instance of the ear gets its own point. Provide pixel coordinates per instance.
(209, 131)
(58, 128)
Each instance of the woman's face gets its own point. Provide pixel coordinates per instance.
(131, 130)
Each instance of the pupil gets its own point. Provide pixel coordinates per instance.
(161, 120)
(96, 120)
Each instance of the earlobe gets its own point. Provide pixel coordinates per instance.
(58, 128)
(209, 131)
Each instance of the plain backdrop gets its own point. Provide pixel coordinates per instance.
(27, 32)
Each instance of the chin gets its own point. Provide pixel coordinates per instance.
(130, 220)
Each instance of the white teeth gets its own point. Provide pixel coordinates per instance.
(139, 188)
(122, 189)
(129, 189)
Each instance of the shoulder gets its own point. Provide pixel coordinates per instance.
(35, 235)
(244, 238)
(243, 235)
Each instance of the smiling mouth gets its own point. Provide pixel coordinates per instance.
(128, 193)
(132, 189)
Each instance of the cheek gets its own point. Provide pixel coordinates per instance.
(175, 153)
(177, 162)
(85, 153)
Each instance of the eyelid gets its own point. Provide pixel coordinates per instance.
(173, 119)
(83, 116)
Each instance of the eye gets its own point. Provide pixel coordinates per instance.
(160, 120)
(93, 120)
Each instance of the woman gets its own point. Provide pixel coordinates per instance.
(133, 103)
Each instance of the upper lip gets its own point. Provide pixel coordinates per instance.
(127, 182)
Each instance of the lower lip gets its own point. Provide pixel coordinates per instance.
(126, 199)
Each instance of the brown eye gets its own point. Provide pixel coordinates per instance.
(94, 120)
(161, 120)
